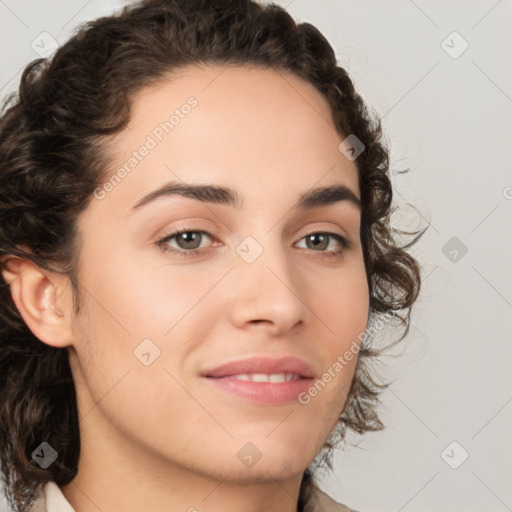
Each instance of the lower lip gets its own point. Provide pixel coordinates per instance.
(266, 393)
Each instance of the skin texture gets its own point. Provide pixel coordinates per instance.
(159, 437)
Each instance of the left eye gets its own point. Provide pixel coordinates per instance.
(322, 240)
(189, 242)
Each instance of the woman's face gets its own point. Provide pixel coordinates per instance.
(249, 284)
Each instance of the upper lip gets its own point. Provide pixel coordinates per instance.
(262, 364)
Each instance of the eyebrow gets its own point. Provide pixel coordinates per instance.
(226, 196)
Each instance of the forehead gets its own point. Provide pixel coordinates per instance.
(247, 127)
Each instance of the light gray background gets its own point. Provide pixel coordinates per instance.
(449, 119)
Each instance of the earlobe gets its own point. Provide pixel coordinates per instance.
(38, 296)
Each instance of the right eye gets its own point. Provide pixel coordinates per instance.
(188, 241)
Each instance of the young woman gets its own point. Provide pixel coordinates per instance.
(195, 244)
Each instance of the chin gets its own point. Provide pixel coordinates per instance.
(274, 459)
(267, 473)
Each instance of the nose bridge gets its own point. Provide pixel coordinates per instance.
(267, 286)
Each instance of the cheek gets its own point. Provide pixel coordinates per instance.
(136, 299)
(342, 306)
(144, 323)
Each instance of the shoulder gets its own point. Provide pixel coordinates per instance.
(51, 499)
(321, 502)
(39, 504)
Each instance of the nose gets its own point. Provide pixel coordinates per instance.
(268, 293)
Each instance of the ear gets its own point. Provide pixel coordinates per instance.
(43, 299)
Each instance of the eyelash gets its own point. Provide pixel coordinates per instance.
(345, 244)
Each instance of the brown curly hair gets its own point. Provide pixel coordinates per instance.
(53, 156)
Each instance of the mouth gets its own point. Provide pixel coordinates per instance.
(263, 377)
(262, 380)
(257, 367)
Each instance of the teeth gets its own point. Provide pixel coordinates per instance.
(263, 377)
